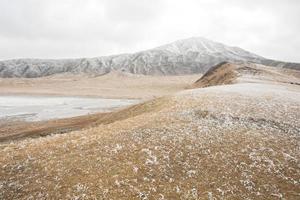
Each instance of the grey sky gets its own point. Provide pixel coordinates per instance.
(88, 28)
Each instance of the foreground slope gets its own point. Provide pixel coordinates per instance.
(189, 56)
(237, 141)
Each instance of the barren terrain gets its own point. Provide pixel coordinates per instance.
(112, 85)
(237, 141)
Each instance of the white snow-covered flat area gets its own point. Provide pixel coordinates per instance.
(37, 108)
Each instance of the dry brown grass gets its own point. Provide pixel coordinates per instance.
(227, 142)
(221, 74)
(229, 73)
(238, 141)
(112, 85)
(17, 130)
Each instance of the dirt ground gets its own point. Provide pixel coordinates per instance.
(112, 85)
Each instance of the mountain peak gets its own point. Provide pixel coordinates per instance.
(187, 45)
(205, 46)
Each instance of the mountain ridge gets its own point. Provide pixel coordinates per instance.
(187, 56)
(229, 73)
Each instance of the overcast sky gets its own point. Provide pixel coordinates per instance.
(89, 28)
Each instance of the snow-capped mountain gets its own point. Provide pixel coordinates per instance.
(204, 47)
(193, 55)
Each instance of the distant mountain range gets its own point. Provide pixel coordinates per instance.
(188, 56)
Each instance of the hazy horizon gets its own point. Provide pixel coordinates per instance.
(78, 29)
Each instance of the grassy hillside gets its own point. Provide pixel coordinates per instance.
(236, 141)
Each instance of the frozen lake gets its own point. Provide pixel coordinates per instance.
(37, 108)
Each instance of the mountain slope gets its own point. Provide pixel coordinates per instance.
(193, 55)
(229, 73)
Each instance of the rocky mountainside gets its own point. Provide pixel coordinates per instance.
(193, 55)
